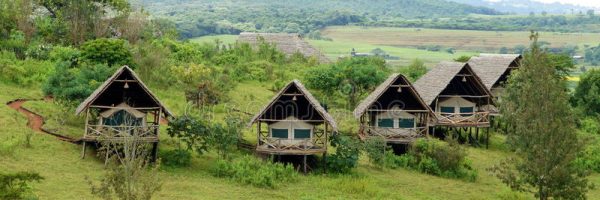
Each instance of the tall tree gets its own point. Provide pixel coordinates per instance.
(587, 93)
(535, 103)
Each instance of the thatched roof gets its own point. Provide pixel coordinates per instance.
(434, 82)
(112, 93)
(304, 96)
(375, 96)
(285, 42)
(491, 67)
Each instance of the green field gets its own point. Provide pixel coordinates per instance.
(66, 173)
(487, 41)
(337, 48)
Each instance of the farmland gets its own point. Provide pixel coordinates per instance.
(485, 41)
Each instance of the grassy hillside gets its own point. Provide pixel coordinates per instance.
(489, 41)
(66, 173)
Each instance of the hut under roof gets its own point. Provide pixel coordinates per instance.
(122, 106)
(287, 43)
(456, 95)
(394, 111)
(293, 123)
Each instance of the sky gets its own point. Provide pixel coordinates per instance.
(592, 3)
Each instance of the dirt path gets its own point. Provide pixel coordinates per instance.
(36, 121)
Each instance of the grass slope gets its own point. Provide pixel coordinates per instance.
(59, 162)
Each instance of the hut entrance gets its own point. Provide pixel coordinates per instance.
(122, 115)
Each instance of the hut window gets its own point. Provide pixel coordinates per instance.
(279, 133)
(406, 122)
(387, 123)
(466, 111)
(445, 109)
(301, 133)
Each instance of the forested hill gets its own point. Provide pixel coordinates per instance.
(526, 6)
(204, 17)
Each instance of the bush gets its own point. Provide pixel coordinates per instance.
(590, 125)
(252, 171)
(375, 148)
(112, 52)
(75, 84)
(346, 154)
(16, 186)
(23, 72)
(589, 159)
(435, 158)
(176, 158)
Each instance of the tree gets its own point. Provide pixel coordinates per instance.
(562, 63)
(352, 76)
(415, 70)
(535, 104)
(587, 93)
(112, 52)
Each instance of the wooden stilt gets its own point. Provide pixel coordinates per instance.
(487, 138)
(304, 163)
(154, 151)
(83, 151)
(477, 134)
(325, 162)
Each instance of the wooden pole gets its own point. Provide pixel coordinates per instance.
(304, 163)
(83, 151)
(154, 151)
(487, 138)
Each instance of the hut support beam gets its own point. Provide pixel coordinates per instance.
(83, 150)
(304, 163)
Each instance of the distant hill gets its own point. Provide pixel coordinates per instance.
(526, 6)
(205, 17)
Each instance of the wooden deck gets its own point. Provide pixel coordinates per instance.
(394, 135)
(278, 146)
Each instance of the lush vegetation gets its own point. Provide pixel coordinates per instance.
(212, 88)
(233, 17)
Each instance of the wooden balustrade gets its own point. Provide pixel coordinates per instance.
(463, 119)
(95, 132)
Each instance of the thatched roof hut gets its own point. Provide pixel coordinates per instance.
(288, 43)
(122, 106)
(394, 111)
(296, 124)
(456, 94)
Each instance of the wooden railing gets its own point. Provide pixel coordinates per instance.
(463, 119)
(284, 144)
(109, 132)
(395, 134)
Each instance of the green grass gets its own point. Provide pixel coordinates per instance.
(487, 41)
(59, 162)
(225, 39)
(334, 49)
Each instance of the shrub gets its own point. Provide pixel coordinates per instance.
(250, 170)
(23, 72)
(435, 158)
(75, 84)
(176, 158)
(346, 154)
(589, 159)
(590, 125)
(375, 148)
(16, 186)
